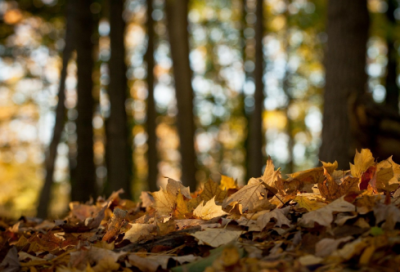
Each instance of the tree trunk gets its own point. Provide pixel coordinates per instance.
(51, 153)
(85, 185)
(118, 158)
(392, 90)
(152, 157)
(287, 91)
(177, 26)
(256, 132)
(244, 112)
(347, 31)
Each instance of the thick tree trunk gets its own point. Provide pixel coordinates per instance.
(348, 23)
(392, 90)
(118, 147)
(256, 139)
(177, 26)
(51, 153)
(152, 157)
(85, 185)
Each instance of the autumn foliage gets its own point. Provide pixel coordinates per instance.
(322, 219)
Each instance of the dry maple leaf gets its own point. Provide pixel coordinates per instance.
(80, 258)
(164, 202)
(208, 211)
(270, 175)
(216, 237)
(227, 183)
(252, 197)
(331, 190)
(278, 214)
(174, 187)
(304, 180)
(310, 202)
(115, 224)
(181, 209)
(388, 213)
(324, 215)
(211, 190)
(362, 161)
(327, 246)
(138, 231)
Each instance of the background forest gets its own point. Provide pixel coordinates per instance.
(107, 94)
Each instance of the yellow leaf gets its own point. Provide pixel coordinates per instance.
(208, 211)
(308, 204)
(164, 202)
(181, 207)
(105, 265)
(138, 231)
(362, 161)
(227, 183)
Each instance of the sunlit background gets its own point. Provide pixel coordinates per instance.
(294, 41)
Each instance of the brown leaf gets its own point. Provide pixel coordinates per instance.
(252, 197)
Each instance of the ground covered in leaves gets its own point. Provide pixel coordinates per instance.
(322, 219)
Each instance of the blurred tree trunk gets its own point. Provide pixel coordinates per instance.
(85, 184)
(244, 112)
(256, 135)
(177, 26)
(345, 63)
(152, 157)
(118, 157)
(392, 90)
(287, 91)
(51, 153)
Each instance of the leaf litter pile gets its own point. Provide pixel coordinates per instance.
(322, 219)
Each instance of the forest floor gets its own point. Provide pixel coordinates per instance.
(322, 219)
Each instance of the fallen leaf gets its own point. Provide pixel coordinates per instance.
(388, 213)
(10, 262)
(278, 214)
(324, 215)
(326, 246)
(164, 202)
(138, 231)
(309, 203)
(270, 175)
(252, 197)
(174, 187)
(216, 237)
(362, 161)
(227, 183)
(208, 211)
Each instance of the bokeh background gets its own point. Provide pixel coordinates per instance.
(222, 39)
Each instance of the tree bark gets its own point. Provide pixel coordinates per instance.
(60, 113)
(345, 63)
(152, 156)
(244, 112)
(85, 185)
(287, 91)
(392, 90)
(177, 26)
(118, 158)
(256, 138)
